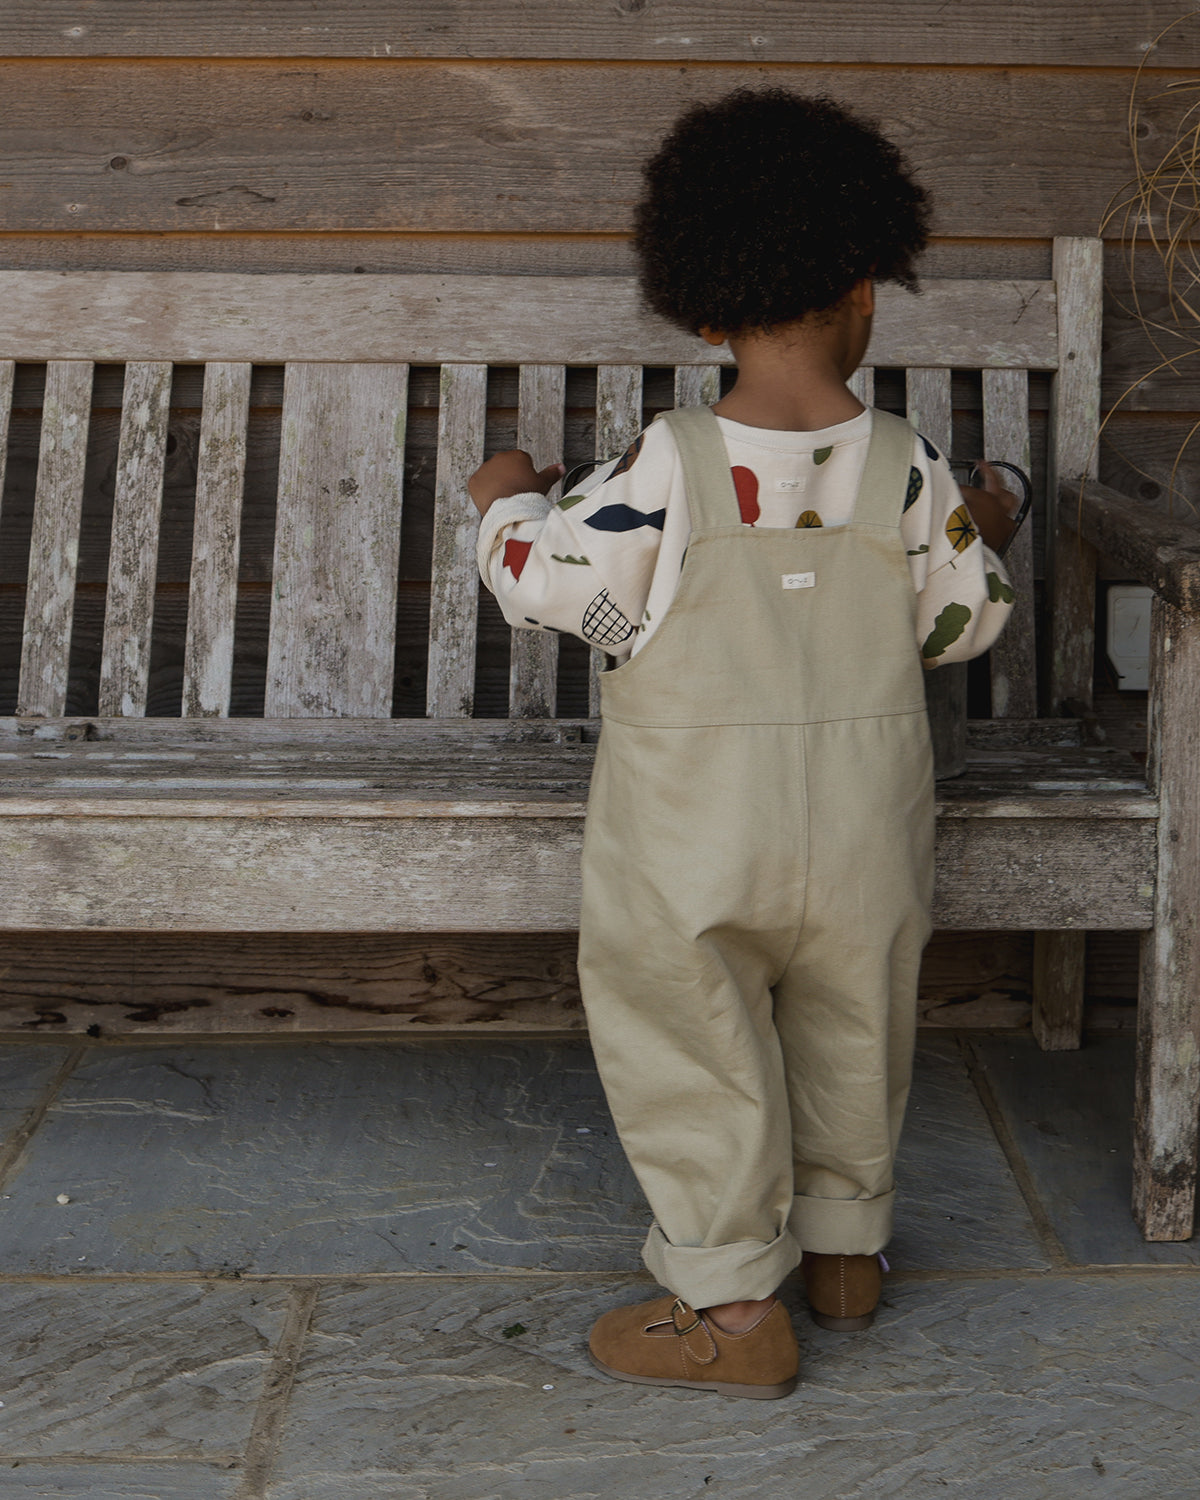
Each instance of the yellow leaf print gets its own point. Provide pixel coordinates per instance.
(809, 518)
(960, 529)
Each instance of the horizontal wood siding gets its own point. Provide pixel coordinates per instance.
(482, 138)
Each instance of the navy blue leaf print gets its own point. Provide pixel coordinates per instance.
(625, 518)
(930, 451)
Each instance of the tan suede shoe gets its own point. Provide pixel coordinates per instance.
(665, 1343)
(843, 1290)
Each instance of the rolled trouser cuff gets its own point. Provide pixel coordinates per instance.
(842, 1226)
(745, 1271)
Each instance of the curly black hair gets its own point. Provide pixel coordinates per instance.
(766, 206)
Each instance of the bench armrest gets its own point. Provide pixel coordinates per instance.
(1163, 552)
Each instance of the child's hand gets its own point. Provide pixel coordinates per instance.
(510, 473)
(993, 508)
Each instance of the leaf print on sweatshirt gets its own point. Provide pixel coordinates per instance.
(821, 454)
(629, 457)
(960, 529)
(947, 628)
(624, 518)
(915, 485)
(578, 562)
(931, 452)
(516, 555)
(1000, 592)
(745, 484)
(807, 520)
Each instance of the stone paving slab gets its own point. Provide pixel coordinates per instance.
(1016, 1387)
(958, 1204)
(140, 1371)
(1071, 1114)
(128, 1482)
(25, 1073)
(339, 1159)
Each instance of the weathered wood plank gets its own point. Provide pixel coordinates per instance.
(1167, 1101)
(697, 385)
(54, 547)
(929, 406)
(1160, 551)
(162, 146)
(534, 661)
(1013, 659)
(428, 319)
(1074, 425)
(7, 369)
(337, 541)
(619, 391)
(862, 384)
(454, 600)
(1108, 33)
(1059, 968)
(133, 554)
(216, 540)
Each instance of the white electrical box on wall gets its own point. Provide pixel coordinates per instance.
(1128, 644)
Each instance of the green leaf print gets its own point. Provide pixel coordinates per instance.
(1000, 592)
(821, 455)
(579, 562)
(920, 551)
(568, 500)
(947, 628)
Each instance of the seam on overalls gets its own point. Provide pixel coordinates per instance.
(895, 713)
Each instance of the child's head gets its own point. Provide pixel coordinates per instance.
(765, 207)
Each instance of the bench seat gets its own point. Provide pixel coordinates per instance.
(374, 826)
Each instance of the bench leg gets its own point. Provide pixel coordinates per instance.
(1058, 960)
(1167, 1100)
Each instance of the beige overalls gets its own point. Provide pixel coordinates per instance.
(757, 877)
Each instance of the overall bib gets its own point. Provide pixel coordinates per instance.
(757, 879)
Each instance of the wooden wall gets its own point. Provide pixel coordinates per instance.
(481, 135)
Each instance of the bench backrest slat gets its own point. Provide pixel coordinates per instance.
(532, 691)
(8, 369)
(927, 398)
(331, 648)
(54, 543)
(133, 551)
(619, 390)
(1013, 658)
(454, 585)
(697, 385)
(862, 383)
(216, 540)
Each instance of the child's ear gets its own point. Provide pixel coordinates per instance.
(712, 335)
(862, 297)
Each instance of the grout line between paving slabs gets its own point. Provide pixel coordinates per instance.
(266, 1433)
(321, 1279)
(23, 1134)
(1043, 1226)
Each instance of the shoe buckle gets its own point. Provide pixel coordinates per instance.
(679, 1308)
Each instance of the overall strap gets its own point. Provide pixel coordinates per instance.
(884, 483)
(707, 477)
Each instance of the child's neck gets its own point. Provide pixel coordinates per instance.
(793, 378)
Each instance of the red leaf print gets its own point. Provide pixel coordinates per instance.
(745, 482)
(516, 555)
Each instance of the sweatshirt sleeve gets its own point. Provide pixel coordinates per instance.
(964, 596)
(584, 565)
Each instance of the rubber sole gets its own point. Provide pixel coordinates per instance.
(720, 1387)
(842, 1325)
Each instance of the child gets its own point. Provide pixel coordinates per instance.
(758, 859)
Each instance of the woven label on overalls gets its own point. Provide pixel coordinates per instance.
(799, 580)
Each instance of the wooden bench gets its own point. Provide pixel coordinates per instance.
(295, 777)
